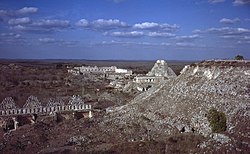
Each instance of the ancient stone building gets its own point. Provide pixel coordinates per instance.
(103, 70)
(148, 79)
(161, 68)
(159, 72)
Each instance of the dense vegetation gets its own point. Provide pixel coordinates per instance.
(217, 120)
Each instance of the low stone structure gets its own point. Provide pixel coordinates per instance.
(158, 73)
(148, 79)
(10, 114)
(103, 70)
(33, 106)
(162, 69)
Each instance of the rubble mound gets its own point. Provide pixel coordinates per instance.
(181, 105)
(161, 68)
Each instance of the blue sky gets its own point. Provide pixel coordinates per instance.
(124, 29)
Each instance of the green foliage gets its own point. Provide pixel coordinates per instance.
(217, 120)
(239, 57)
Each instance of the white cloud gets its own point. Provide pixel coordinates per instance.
(246, 38)
(12, 35)
(181, 44)
(156, 26)
(133, 34)
(47, 40)
(82, 23)
(27, 10)
(18, 21)
(59, 42)
(18, 28)
(190, 45)
(228, 31)
(102, 24)
(229, 21)
(108, 24)
(187, 38)
(165, 44)
(155, 29)
(123, 43)
(243, 42)
(146, 25)
(3, 13)
(234, 34)
(197, 31)
(241, 2)
(160, 34)
(215, 1)
(42, 26)
(151, 44)
(51, 23)
(20, 12)
(11, 38)
(225, 31)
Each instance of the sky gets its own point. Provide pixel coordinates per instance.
(124, 29)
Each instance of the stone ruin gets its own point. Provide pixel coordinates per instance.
(32, 102)
(102, 70)
(76, 100)
(34, 106)
(159, 72)
(55, 102)
(8, 103)
(161, 69)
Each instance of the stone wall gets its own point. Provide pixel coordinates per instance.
(148, 79)
(95, 69)
(45, 110)
(33, 106)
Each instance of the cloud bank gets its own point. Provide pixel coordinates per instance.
(215, 1)
(101, 24)
(229, 21)
(241, 2)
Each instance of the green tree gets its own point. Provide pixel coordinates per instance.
(217, 120)
(239, 57)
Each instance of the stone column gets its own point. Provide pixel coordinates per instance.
(15, 111)
(15, 123)
(20, 111)
(90, 114)
(34, 117)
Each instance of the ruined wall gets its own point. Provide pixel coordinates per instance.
(33, 106)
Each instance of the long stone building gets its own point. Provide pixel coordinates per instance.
(33, 106)
(103, 70)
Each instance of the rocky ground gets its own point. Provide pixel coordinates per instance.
(183, 103)
(169, 118)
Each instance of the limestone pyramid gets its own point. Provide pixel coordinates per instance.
(161, 68)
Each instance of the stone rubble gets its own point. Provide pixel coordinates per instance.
(182, 103)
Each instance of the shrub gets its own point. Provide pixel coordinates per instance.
(217, 120)
(239, 57)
